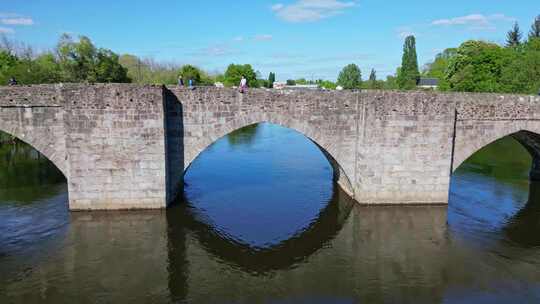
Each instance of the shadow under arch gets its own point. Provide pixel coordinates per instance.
(284, 255)
(26, 174)
(522, 229)
(339, 175)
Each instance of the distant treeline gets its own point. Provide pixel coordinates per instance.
(71, 61)
(475, 66)
(479, 66)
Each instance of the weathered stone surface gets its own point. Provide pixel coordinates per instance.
(108, 140)
(127, 146)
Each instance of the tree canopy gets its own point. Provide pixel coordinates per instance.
(72, 61)
(480, 66)
(513, 37)
(81, 61)
(234, 74)
(350, 77)
(189, 72)
(437, 68)
(271, 79)
(476, 67)
(535, 28)
(409, 73)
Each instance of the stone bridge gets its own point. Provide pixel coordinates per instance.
(128, 146)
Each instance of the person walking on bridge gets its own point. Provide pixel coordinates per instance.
(243, 84)
(180, 81)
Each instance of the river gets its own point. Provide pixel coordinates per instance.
(262, 222)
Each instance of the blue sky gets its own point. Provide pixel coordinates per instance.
(293, 38)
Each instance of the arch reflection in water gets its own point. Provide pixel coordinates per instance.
(280, 256)
(26, 175)
(260, 185)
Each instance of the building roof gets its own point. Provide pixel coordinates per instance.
(428, 82)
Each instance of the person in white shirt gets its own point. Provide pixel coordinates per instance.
(243, 84)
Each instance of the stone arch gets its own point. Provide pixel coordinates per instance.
(471, 136)
(341, 176)
(26, 124)
(528, 139)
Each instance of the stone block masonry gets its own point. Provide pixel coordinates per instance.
(127, 146)
(116, 147)
(108, 140)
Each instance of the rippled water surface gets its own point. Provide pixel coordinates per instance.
(262, 222)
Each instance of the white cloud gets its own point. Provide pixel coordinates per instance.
(263, 37)
(17, 21)
(239, 38)
(6, 30)
(311, 10)
(474, 21)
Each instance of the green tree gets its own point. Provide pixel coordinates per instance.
(291, 82)
(7, 60)
(82, 62)
(76, 58)
(535, 28)
(271, 79)
(373, 83)
(522, 73)
(190, 72)
(29, 70)
(43, 69)
(7, 64)
(107, 68)
(263, 83)
(391, 83)
(350, 77)
(373, 75)
(437, 68)
(513, 37)
(326, 84)
(409, 73)
(137, 70)
(234, 74)
(477, 67)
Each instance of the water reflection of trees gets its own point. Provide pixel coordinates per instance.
(243, 136)
(25, 174)
(503, 159)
